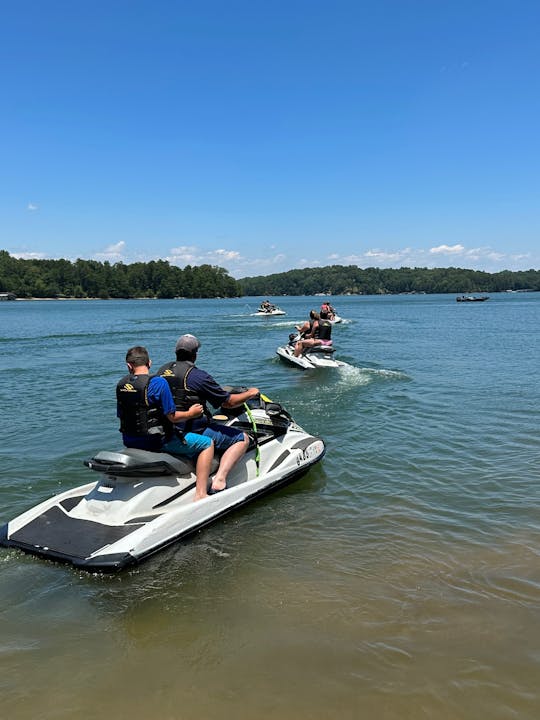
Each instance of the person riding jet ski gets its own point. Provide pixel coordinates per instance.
(315, 331)
(147, 412)
(190, 384)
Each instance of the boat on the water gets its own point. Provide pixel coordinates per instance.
(144, 501)
(472, 298)
(267, 311)
(317, 356)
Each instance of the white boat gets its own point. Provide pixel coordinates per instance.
(318, 356)
(336, 319)
(144, 501)
(273, 310)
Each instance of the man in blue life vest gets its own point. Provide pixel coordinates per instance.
(190, 385)
(147, 415)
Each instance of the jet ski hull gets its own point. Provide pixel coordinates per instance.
(268, 313)
(309, 360)
(143, 501)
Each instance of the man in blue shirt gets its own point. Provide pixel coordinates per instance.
(192, 386)
(147, 415)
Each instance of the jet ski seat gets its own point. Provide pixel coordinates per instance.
(132, 462)
(321, 349)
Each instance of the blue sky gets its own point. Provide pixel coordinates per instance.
(265, 136)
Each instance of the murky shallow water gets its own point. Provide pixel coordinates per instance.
(399, 579)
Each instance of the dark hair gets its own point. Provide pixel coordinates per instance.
(137, 356)
(186, 355)
(313, 315)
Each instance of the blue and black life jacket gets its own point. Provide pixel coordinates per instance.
(176, 374)
(137, 416)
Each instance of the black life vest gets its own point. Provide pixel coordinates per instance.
(176, 374)
(137, 416)
(324, 331)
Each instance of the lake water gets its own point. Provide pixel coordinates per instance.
(399, 579)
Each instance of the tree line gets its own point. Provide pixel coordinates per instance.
(93, 279)
(343, 280)
(90, 278)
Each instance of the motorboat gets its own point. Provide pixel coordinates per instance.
(335, 320)
(271, 310)
(143, 501)
(472, 298)
(317, 356)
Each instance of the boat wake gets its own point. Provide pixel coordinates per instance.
(352, 376)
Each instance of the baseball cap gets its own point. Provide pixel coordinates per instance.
(187, 342)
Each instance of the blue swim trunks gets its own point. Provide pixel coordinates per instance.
(194, 444)
(223, 436)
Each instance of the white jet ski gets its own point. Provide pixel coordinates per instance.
(144, 501)
(336, 319)
(266, 312)
(318, 356)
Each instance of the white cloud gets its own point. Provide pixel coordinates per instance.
(308, 262)
(385, 257)
(192, 255)
(32, 207)
(378, 258)
(112, 253)
(183, 255)
(476, 254)
(447, 250)
(28, 255)
(226, 255)
(478, 258)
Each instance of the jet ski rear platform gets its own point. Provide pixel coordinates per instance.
(318, 356)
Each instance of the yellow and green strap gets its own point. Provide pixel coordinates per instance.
(254, 426)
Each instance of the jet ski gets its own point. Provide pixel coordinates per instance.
(143, 501)
(318, 356)
(266, 311)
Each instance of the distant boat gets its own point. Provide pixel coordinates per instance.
(269, 310)
(472, 298)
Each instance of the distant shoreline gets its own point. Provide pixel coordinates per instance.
(63, 299)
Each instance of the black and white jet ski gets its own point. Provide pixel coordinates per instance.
(318, 356)
(144, 501)
(268, 311)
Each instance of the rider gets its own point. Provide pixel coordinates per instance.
(316, 331)
(147, 413)
(328, 309)
(189, 385)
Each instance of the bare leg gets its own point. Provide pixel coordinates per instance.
(301, 345)
(228, 460)
(298, 348)
(204, 463)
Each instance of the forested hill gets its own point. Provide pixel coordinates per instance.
(350, 279)
(89, 278)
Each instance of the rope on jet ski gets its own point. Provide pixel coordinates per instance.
(255, 438)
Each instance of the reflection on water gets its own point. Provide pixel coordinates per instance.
(398, 579)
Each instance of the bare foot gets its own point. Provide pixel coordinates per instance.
(199, 496)
(218, 484)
